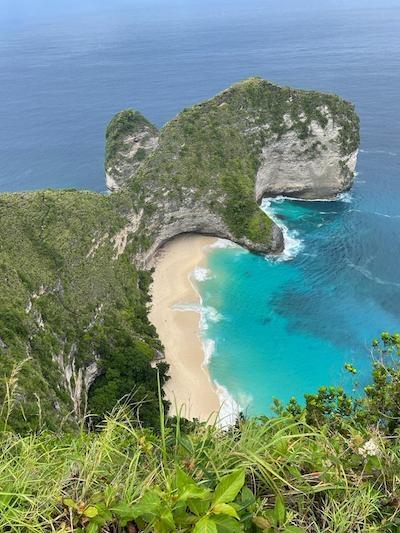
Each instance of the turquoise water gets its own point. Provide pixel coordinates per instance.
(285, 327)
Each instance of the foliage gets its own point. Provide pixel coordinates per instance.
(210, 153)
(278, 474)
(123, 124)
(126, 373)
(67, 302)
(379, 407)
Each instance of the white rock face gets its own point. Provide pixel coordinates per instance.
(193, 217)
(77, 381)
(128, 161)
(310, 169)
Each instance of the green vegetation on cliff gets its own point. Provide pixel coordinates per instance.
(210, 153)
(330, 467)
(67, 303)
(126, 123)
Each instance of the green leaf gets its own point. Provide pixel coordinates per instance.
(294, 529)
(184, 519)
(280, 511)
(166, 522)
(148, 506)
(228, 488)
(224, 508)
(92, 528)
(186, 443)
(226, 524)
(124, 512)
(104, 513)
(247, 497)
(194, 492)
(70, 503)
(198, 507)
(182, 479)
(261, 522)
(205, 525)
(91, 511)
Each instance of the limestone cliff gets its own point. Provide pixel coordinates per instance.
(130, 138)
(215, 161)
(315, 166)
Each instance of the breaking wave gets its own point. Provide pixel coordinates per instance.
(229, 410)
(201, 273)
(207, 313)
(293, 245)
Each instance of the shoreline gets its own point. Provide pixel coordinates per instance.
(176, 314)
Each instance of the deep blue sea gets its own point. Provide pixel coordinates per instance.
(284, 327)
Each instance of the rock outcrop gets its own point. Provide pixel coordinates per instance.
(130, 139)
(310, 168)
(214, 162)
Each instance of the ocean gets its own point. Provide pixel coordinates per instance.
(281, 327)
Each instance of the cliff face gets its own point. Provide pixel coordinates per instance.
(73, 294)
(72, 308)
(215, 161)
(130, 138)
(317, 166)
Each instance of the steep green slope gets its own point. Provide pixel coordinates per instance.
(129, 139)
(66, 302)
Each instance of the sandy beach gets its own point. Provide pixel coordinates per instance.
(190, 385)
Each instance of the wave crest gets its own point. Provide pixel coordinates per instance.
(229, 410)
(293, 244)
(207, 313)
(201, 273)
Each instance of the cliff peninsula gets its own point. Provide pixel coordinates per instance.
(75, 265)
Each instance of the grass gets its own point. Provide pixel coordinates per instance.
(278, 474)
(297, 477)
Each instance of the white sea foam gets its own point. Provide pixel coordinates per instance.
(224, 243)
(208, 349)
(210, 313)
(207, 313)
(229, 410)
(345, 197)
(342, 197)
(385, 215)
(293, 245)
(201, 273)
(364, 271)
(376, 213)
(392, 154)
(196, 308)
